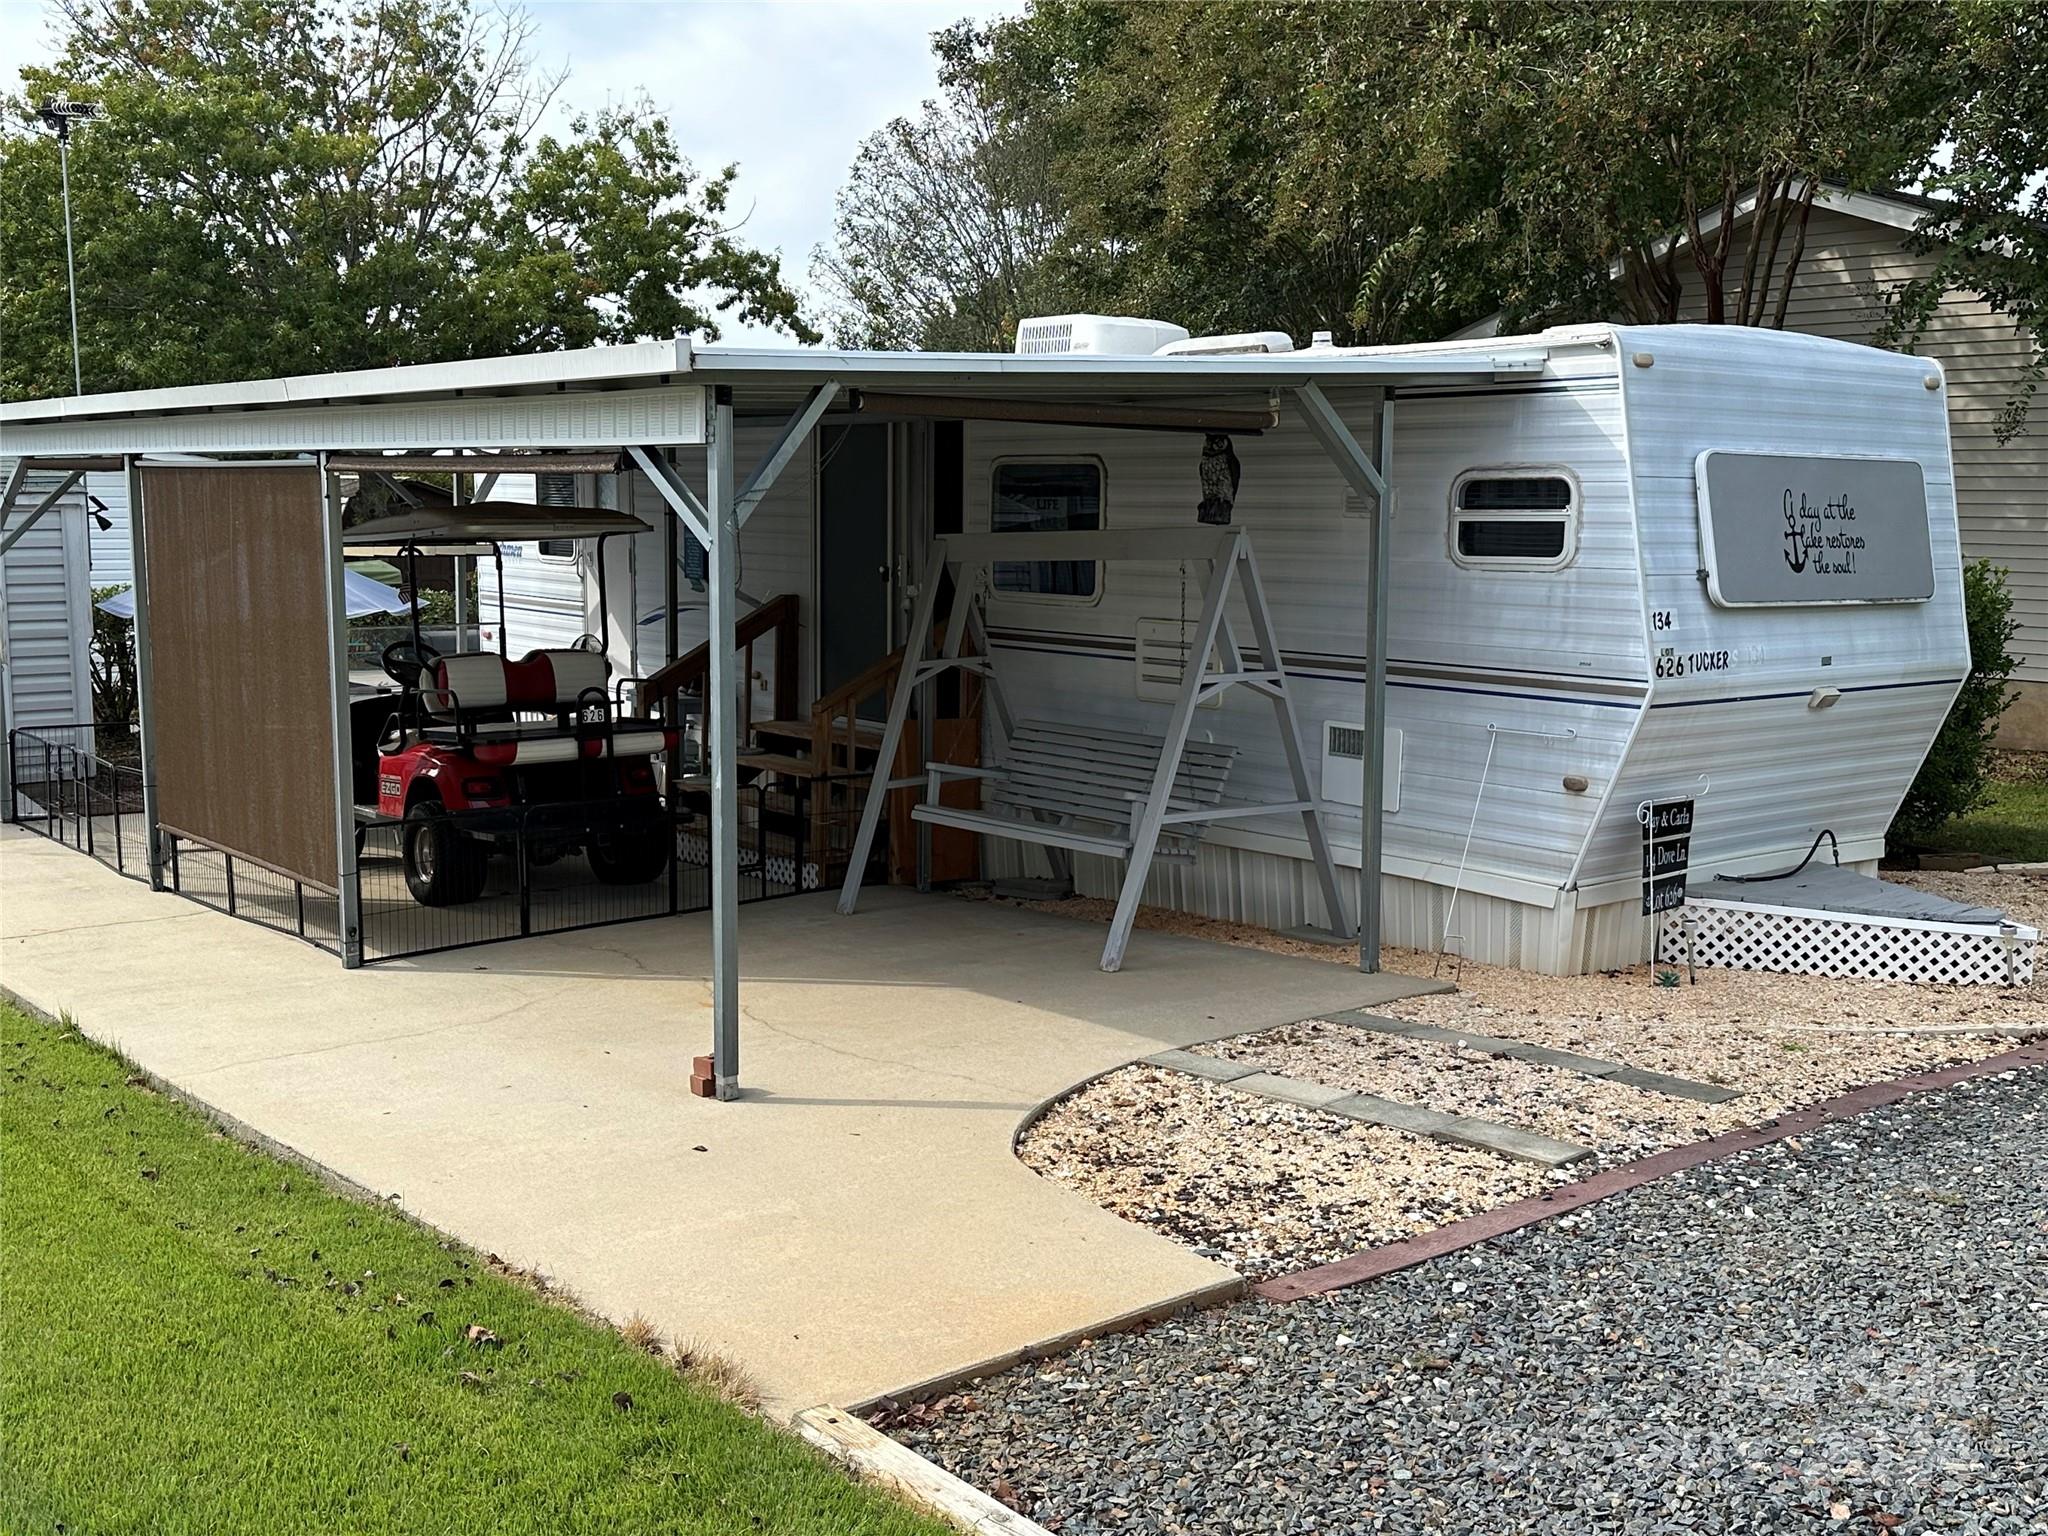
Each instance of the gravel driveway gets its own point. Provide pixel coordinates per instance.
(1846, 1334)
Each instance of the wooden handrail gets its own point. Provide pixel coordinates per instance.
(777, 616)
(847, 698)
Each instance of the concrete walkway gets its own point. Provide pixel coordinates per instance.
(855, 1225)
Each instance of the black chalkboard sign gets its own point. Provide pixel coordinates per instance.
(1667, 851)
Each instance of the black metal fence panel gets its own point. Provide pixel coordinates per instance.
(453, 880)
(252, 892)
(555, 868)
(81, 785)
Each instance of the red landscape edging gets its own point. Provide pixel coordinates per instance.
(1386, 1259)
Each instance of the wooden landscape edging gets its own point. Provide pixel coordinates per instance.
(1386, 1259)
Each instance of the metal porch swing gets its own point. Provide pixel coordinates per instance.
(1077, 788)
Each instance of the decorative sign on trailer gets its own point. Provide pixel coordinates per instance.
(1667, 849)
(1781, 528)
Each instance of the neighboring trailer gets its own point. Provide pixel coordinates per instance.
(46, 614)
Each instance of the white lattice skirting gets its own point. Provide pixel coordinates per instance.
(1810, 941)
(695, 850)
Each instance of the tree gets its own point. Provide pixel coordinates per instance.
(1991, 178)
(1242, 166)
(113, 663)
(944, 226)
(1392, 170)
(1620, 126)
(291, 186)
(1958, 765)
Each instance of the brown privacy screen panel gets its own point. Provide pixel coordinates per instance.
(241, 685)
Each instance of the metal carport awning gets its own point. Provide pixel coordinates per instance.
(576, 413)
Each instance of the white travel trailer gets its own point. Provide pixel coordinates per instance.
(1699, 562)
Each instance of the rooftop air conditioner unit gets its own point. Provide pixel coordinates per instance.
(1226, 346)
(1094, 336)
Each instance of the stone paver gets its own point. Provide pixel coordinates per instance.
(1393, 1114)
(1513, 1141)
(1504, 1140)
(1216, 1068)
(1677, 1087)
(1289, 1090)
(1539, 1055)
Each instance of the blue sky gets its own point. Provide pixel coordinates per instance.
(787, 88)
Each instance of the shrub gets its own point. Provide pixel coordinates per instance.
(1958, 765)
(113, 663)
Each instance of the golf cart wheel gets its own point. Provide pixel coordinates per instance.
(633, 855)
(444, 866)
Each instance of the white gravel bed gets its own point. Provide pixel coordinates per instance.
(1842, 1333)
(1619, 1123)
(1267, 1187)
(1261, 1186)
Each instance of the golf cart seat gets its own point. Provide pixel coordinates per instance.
(479, 687)
(475, 698)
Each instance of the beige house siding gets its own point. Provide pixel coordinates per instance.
(2001, 488)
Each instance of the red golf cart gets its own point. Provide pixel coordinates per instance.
(478, 752)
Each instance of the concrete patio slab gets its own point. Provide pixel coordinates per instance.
(855, 1225)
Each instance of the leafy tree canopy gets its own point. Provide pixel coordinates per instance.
(945, 223)
(1393, 170)
(1990, 179)
(292, 186)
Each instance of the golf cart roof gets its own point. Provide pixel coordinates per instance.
(486, 522)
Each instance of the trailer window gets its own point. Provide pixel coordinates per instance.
(1526, 519)
(1040, 497)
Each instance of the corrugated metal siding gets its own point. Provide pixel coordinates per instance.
(46, 605)
(113, 562)
(1778, 771)
(2001, 489)
(1485, 647)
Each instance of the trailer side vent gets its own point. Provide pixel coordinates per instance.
(1344, 766)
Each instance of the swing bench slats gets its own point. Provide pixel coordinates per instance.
(1077, 787)
(1056, 774)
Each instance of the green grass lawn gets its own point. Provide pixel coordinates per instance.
(195, 1337)
(2011, 825)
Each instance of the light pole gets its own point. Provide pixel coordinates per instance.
(60, 113)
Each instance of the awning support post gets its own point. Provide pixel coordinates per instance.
(1372, 831)
(145, 673)
(721, 717)
(347, 888)
(1368, 479)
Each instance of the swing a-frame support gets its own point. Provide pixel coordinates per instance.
(1152, 794)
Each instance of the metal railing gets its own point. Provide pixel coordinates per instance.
(532, 868)
(554, 868)
(255, 893)
(81, 785)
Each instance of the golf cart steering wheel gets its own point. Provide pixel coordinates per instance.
(588, 642)
(405, 660)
